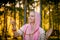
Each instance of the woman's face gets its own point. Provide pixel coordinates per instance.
(31, 17)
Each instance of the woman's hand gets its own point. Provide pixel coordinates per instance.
(48, 33)
(12, 21)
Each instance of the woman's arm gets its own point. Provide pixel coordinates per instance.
(48, 33)
(15, 32)
(42, 36)
(18, 32)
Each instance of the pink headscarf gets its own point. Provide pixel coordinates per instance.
(27, 30)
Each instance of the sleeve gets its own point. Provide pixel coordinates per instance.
(42, 34)
(21, 30)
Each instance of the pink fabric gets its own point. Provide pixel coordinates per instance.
(27, 29)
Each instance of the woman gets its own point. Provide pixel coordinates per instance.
(32, 30)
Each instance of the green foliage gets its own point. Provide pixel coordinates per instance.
(30, 1)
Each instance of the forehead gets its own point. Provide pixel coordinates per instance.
(32, 13)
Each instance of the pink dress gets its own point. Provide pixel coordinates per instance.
(38, 34)
(26, 36)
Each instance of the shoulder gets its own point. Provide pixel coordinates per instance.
(41, 30)
(42, 34)
(23, 28)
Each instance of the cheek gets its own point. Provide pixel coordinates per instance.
(33, 18)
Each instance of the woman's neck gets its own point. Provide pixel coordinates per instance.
(32, 27)
(32, 24)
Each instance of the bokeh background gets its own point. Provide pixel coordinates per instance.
(19, 10)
